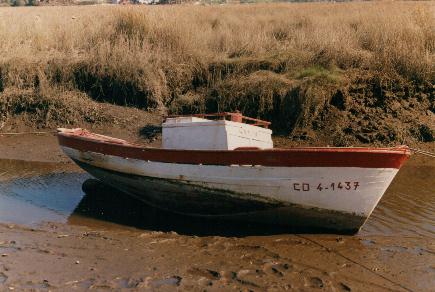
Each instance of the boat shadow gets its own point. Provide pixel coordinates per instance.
(108, 204)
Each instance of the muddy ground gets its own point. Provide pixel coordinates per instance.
(75, 257)
(97, 253)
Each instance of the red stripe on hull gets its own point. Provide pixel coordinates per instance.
(291, 157)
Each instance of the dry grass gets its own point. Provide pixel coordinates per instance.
(276, 61)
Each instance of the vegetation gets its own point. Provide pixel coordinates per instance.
(352, 72)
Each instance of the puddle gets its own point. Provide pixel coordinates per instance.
(173, 281)
(7, 250)
(32, 200)
(368, 242)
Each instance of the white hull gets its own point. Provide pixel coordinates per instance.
(350, 191)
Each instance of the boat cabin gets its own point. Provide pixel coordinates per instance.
(221, 131)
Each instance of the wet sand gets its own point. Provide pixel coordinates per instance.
(62, 230)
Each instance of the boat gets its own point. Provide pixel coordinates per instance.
(225, 166)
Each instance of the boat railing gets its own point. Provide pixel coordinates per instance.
(234, 117)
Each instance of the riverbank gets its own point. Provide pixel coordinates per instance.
(340, 73)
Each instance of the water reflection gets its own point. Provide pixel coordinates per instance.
(104, 203)
(32, 200)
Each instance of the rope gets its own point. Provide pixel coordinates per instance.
(26, 133)
(422, 152)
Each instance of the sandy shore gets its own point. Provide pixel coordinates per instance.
(91, 254)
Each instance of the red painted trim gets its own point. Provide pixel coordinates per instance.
(291, 157)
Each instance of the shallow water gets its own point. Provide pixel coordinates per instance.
(35, 192)
(408, 206)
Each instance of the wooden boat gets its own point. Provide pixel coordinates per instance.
(243, 178)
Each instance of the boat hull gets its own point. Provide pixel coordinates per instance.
(332, 188)
(336, 198)
(193, 200)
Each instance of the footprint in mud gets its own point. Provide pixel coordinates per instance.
(86, 284)
(3, 278)
(245, 282)
(316, 282)
(120, 282)
(251, 249)
(44, 251)
(206, 273)
(126, 283)
(276, 268)
(344, 287)
(36, 286)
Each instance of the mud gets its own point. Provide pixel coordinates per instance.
(58, 233)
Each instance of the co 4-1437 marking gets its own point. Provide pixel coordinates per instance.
(346, 186)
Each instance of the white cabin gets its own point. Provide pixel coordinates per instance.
(199, 133)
